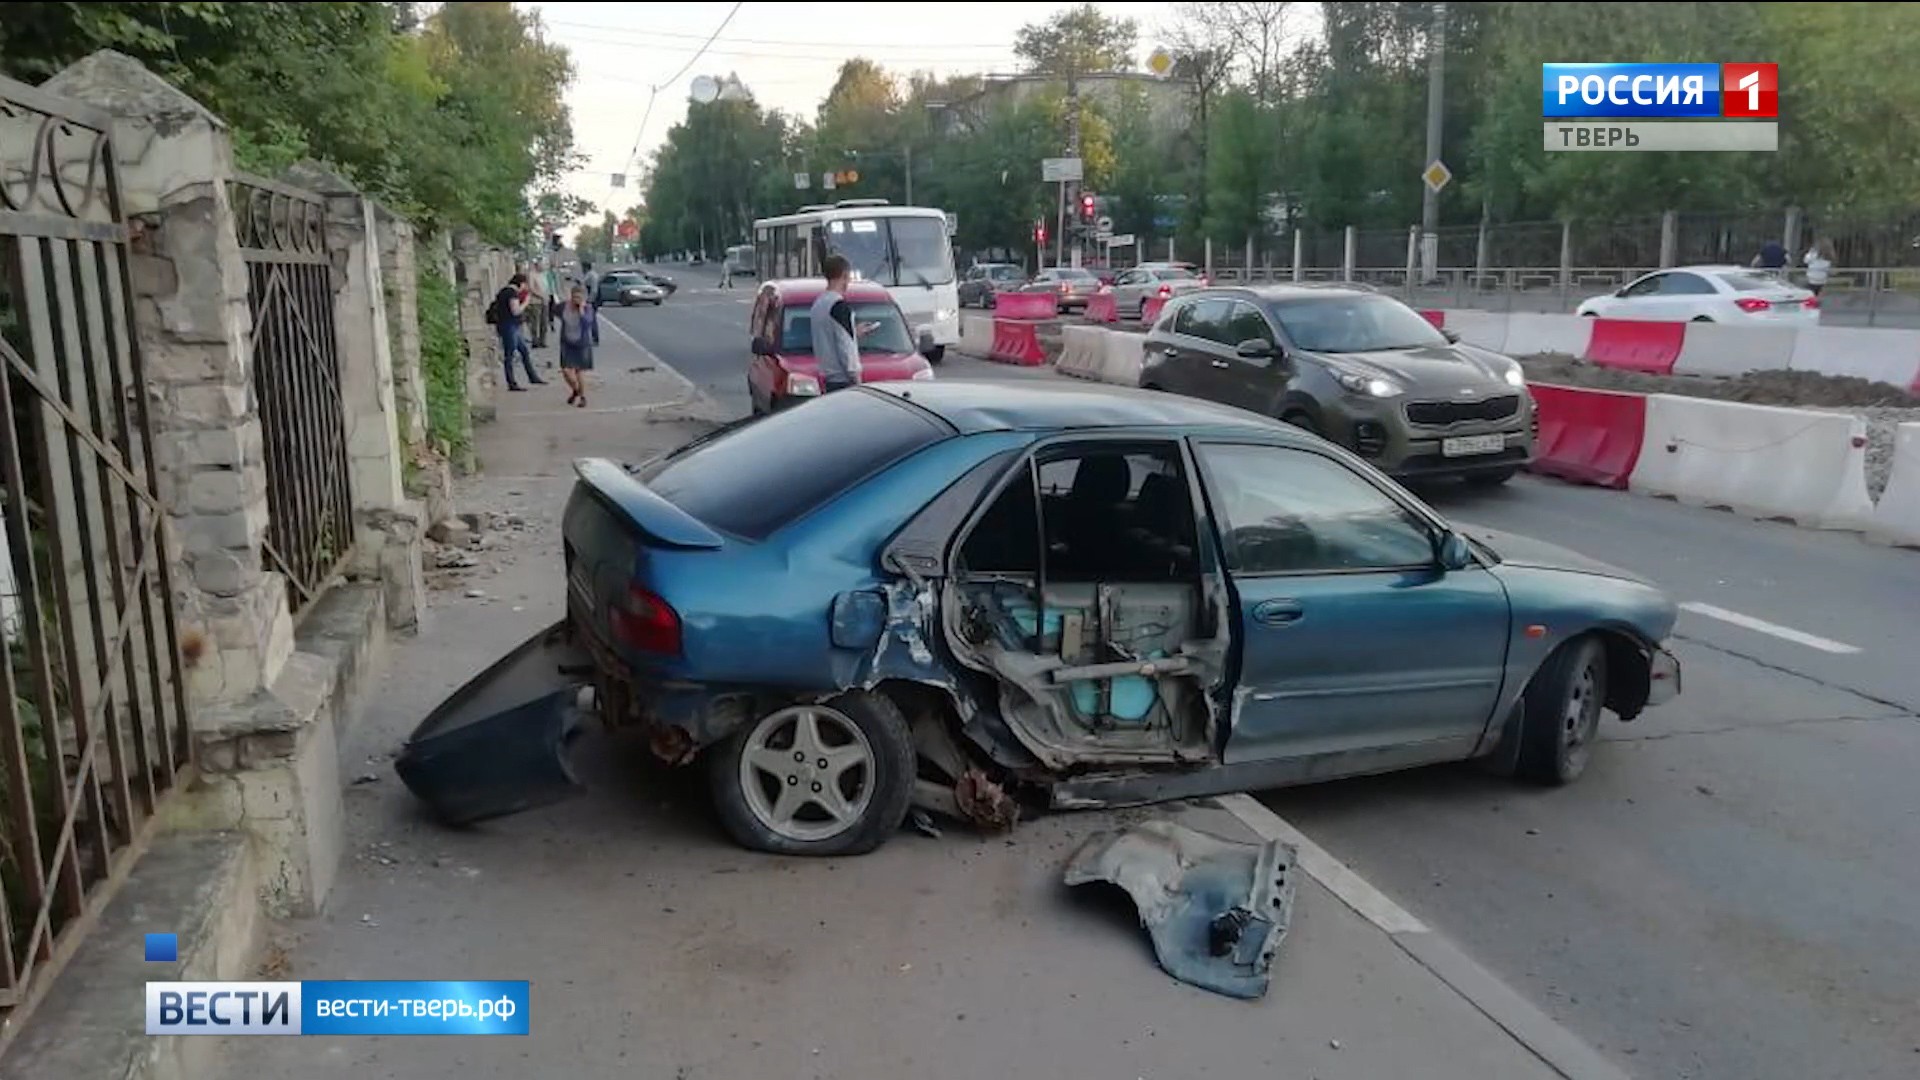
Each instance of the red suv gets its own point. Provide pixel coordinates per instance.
(783, 370)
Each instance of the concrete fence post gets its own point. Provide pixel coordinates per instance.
(1349, 253)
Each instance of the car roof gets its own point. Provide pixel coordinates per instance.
(793, 291)
(1285, 291)
(1711, 268)
(974, 407)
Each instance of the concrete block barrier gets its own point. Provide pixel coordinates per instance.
(1102, 309)
(1017, 341)
(1082, 350)
(1864, 352)
(1529, 333)
(1632, 345)
(1589, 436)
(1035, 305)
(976, 334)
(1120, 362)
(1896, 517)
(1758, 460)
(1722, 351)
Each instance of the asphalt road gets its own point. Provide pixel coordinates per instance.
(1731, 889)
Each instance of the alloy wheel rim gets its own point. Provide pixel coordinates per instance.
(807, 772)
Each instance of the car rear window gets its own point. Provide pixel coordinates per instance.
(1003, 273)
(1174, 274)
(1750, 281)
(753, 479)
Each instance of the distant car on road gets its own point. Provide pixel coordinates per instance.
(983, 281)
(960, 593)
(1071, 286)
(1357, 367)
(626, 288)
(1132, 288)
(783, 370)
(666, 284)
(1722, 294)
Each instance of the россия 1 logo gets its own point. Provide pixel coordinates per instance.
(1660, 91)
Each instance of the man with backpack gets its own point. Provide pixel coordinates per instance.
(509, 305)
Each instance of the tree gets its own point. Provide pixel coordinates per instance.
(1203, 57)
(1257, 32)
(1077, 41)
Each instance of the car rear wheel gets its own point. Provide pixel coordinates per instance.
(1561, 713)
(832, 778)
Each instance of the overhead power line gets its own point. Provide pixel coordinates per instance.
(841, 46)
(654, 94)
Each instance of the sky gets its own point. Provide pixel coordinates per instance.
(787, 54)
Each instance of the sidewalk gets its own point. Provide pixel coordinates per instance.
(658, 949)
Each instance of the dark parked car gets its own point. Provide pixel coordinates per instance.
(956, 593)
(1071, 286)
(627, 287)
(983, 281)
(1358, 367)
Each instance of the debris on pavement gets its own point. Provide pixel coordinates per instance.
(1216, 909)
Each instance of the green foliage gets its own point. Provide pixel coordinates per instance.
(443, 358)
(1077, 41)
(448, 120)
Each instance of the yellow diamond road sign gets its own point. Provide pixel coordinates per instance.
(1160, 62)
(1437, 175)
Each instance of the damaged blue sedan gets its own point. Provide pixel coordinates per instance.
(973, 596)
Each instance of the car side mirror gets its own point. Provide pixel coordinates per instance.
(1453, 551)
(1255, 349)
(762, 347)
(1452, 336)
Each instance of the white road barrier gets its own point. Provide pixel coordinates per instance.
(1485, 329)
(1082, 348)
(976, 335)
(1120, 362)
(1757, 460)
(1529, 333)
(1722, 351)
(1896, 517)
(1865, 352)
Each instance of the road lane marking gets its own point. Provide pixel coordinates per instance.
(1560, 1049)
(1353, 890)
(1784, 633)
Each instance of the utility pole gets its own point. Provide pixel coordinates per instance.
(909, 156)
(1436, 100)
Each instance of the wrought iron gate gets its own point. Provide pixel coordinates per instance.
(296, 363)
(93, 711)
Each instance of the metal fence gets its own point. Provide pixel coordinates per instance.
(93, 714)
(282, 233)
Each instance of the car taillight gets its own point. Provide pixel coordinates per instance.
(646, 622)
(1064, 287)
(1166, 291)
(1204, 282)
(1749, 304)
(1812, 302)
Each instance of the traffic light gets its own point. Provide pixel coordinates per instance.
(1040, 232)
(1086, 207)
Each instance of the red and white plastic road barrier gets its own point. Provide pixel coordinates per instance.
(1529, 333)
(1720, 350)
(1150, 309)
(1651, 347)
(1101, 308)
(1437, 318)
(976, 334)
(1896, 517)
(1082, 349)
(1034, 305)
(1888, 356)
(1588, 436)
(1017, 341)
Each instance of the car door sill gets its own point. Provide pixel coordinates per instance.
(1137, 788)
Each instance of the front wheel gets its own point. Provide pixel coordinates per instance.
(1560, 716)
(936, 354)
(833, 778)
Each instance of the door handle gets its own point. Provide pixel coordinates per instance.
(1278, 612)
(1220, 364)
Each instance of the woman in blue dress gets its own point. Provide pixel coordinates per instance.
(579, 333)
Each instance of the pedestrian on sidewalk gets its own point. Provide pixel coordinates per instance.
(556, 294)
(533, 322)
(836, 339)
(509, 306)
(579, 333)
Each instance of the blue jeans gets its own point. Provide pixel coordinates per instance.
(512, 341)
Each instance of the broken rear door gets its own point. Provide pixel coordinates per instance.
(1354, 644)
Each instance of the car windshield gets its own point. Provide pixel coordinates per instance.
(755, 477)
(888, 336)
(1071, 274)
(1346, 324)
(875, 245)
(1003, 273)
(1173, 273)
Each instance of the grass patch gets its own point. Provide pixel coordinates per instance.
(443, 361)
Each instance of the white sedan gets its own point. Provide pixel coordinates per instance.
(1721, 294)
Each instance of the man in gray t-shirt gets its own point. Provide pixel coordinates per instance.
(836, 340)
